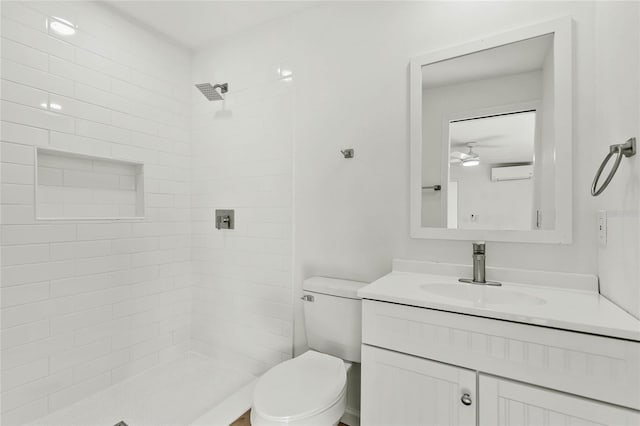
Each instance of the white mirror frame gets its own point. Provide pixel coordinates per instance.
(563, 123)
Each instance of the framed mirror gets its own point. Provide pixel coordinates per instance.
(491, 139)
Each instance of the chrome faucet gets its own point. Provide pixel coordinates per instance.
(479, 273)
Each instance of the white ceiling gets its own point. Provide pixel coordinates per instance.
(514, 58)
(498, 139)
(194, 24)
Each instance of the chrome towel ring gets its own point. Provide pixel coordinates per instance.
(627, 149)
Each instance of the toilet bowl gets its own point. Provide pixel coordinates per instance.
(311, 389)
(307, 390)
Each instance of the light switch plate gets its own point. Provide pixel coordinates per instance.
(602, 228)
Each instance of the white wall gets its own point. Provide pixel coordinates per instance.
(351, 90)
(617, 117)
(495, 204)
(242, 159)
(87, 304)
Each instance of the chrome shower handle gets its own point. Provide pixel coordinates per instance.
(627, 149)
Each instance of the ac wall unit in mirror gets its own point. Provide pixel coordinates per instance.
(491, 140)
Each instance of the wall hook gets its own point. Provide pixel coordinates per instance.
(348, 153)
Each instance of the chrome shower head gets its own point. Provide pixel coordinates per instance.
(210, 91)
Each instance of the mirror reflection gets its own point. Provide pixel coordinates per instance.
(487, 131)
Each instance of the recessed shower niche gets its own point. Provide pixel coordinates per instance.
(72, 186)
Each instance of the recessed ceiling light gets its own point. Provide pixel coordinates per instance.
(62, 26)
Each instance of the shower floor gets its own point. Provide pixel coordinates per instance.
(175, 393)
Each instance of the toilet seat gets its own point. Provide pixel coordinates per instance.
(300, 388)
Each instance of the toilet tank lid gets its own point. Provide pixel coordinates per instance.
(333, 286)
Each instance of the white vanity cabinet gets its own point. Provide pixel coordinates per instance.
(399, 389)
(504, 402)
(418, 363)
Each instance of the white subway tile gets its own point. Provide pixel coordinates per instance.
(24, 95)
(114, 103)
(79, 144)
(20, 335)
(14, 275)
(100, 63)
(102, 98)
(101, 231)
(134, 367)
(103, 264)
(36, 389)
(81, 179)
(79, 250)
(134, 245)
(22, 314)
(18, 133)
(130, 122)
(19, 355)
(131, 337)
(49, 176)
(150, 346)
(25, 413)
(17, 173)
(79, 73)
(76, 285)
(24, 55)
(56, 160)
(105, 330)
(25, 373)
(102, 132)
(37, 117)
(132, 153)
(79, 109)
(135, 305)
(33, 234)
(16, 214)
(19, 12)
(16, 194)
(36, 78)
(16, 153)
(70, 195)
(83, 301)
(26, 293)
(78, 355)
(100, 365)
(41, 41)
(86, 318)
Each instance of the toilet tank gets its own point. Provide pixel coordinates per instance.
(333, 316)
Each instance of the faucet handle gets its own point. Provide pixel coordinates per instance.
(479, 247)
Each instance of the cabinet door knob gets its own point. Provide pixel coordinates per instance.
(466, 399)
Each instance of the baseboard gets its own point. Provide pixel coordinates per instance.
(351, 417)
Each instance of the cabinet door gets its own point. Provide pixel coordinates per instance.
(399, 389)
(503, 402)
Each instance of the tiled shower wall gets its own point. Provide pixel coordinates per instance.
(242, 159)
(88, 303)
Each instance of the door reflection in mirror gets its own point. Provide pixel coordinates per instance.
(488, 139)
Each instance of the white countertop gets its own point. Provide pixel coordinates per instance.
(563, 308)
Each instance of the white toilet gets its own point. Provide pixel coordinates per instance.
(311, 389)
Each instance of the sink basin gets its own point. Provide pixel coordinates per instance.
(480, 295)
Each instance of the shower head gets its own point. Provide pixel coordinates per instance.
(210, 91)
